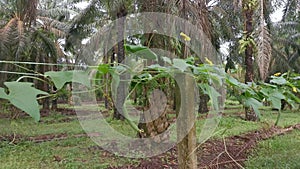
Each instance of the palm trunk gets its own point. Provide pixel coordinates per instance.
(120, 99)
(203, 104)
(205, 25)
(152, 123)
(54, 100)
(45, 86)
(4, 76)
(248, 13)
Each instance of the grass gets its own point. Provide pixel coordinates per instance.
(70, 153)
(281, 152)
(75, 153)
(27, 127)
(233, 124)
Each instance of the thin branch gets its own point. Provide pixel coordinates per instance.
(225, 147)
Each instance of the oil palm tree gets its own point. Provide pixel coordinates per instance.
(97, 14)
(249, 21)
(286, 39)
(30, 32)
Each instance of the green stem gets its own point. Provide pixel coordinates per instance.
(278, 117)
(131, 123)
(126, 115)
(31, 77)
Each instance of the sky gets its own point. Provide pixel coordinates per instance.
(277, 15)
(82, 5)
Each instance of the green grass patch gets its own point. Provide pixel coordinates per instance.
(70, 153)
(234, 124)
(279, 152)
(27, 127)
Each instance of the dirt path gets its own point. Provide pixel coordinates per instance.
(228, 153)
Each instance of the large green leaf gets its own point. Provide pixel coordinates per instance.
(3, 95)
(292, 96)
(103, 68)
(141, 51)
(134, 48)
(180, 64)
(61, 78)
(23, 96)
(167, 60)
(279, 80)
(275, 97)
(266, 91)
(255, 104)
(212, 93)
(232, 81)
(115, 84)
(235, 83)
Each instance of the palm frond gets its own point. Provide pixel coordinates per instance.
(8, 29)
(31, 11)
(286, 9)
(291, 10)
(201, 19)
(60, 29)
(279, 62)
(290, 25)
(48, 44)
(80, 26)
(221, 18)
(263, 45)
(59, 50)
(99, 43)
(286, 42)
(294, 57)
(57, 12)
(264, 52)
(21, 38)
(238, 4)
(295, 36)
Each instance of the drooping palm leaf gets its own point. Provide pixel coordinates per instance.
(263, 46)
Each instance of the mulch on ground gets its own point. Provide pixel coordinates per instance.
(227, 153)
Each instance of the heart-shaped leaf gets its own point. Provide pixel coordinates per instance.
(61, 78)
(23, 96)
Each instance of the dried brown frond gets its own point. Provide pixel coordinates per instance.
(21, 37)
(199, 16)
(59, 50)
(8, 29)
(264, 46)
(57, 32)
(264, 52)
(59, 29)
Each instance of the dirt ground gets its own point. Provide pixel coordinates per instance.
(228, 153)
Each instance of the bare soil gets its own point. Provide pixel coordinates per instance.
(228, 153)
